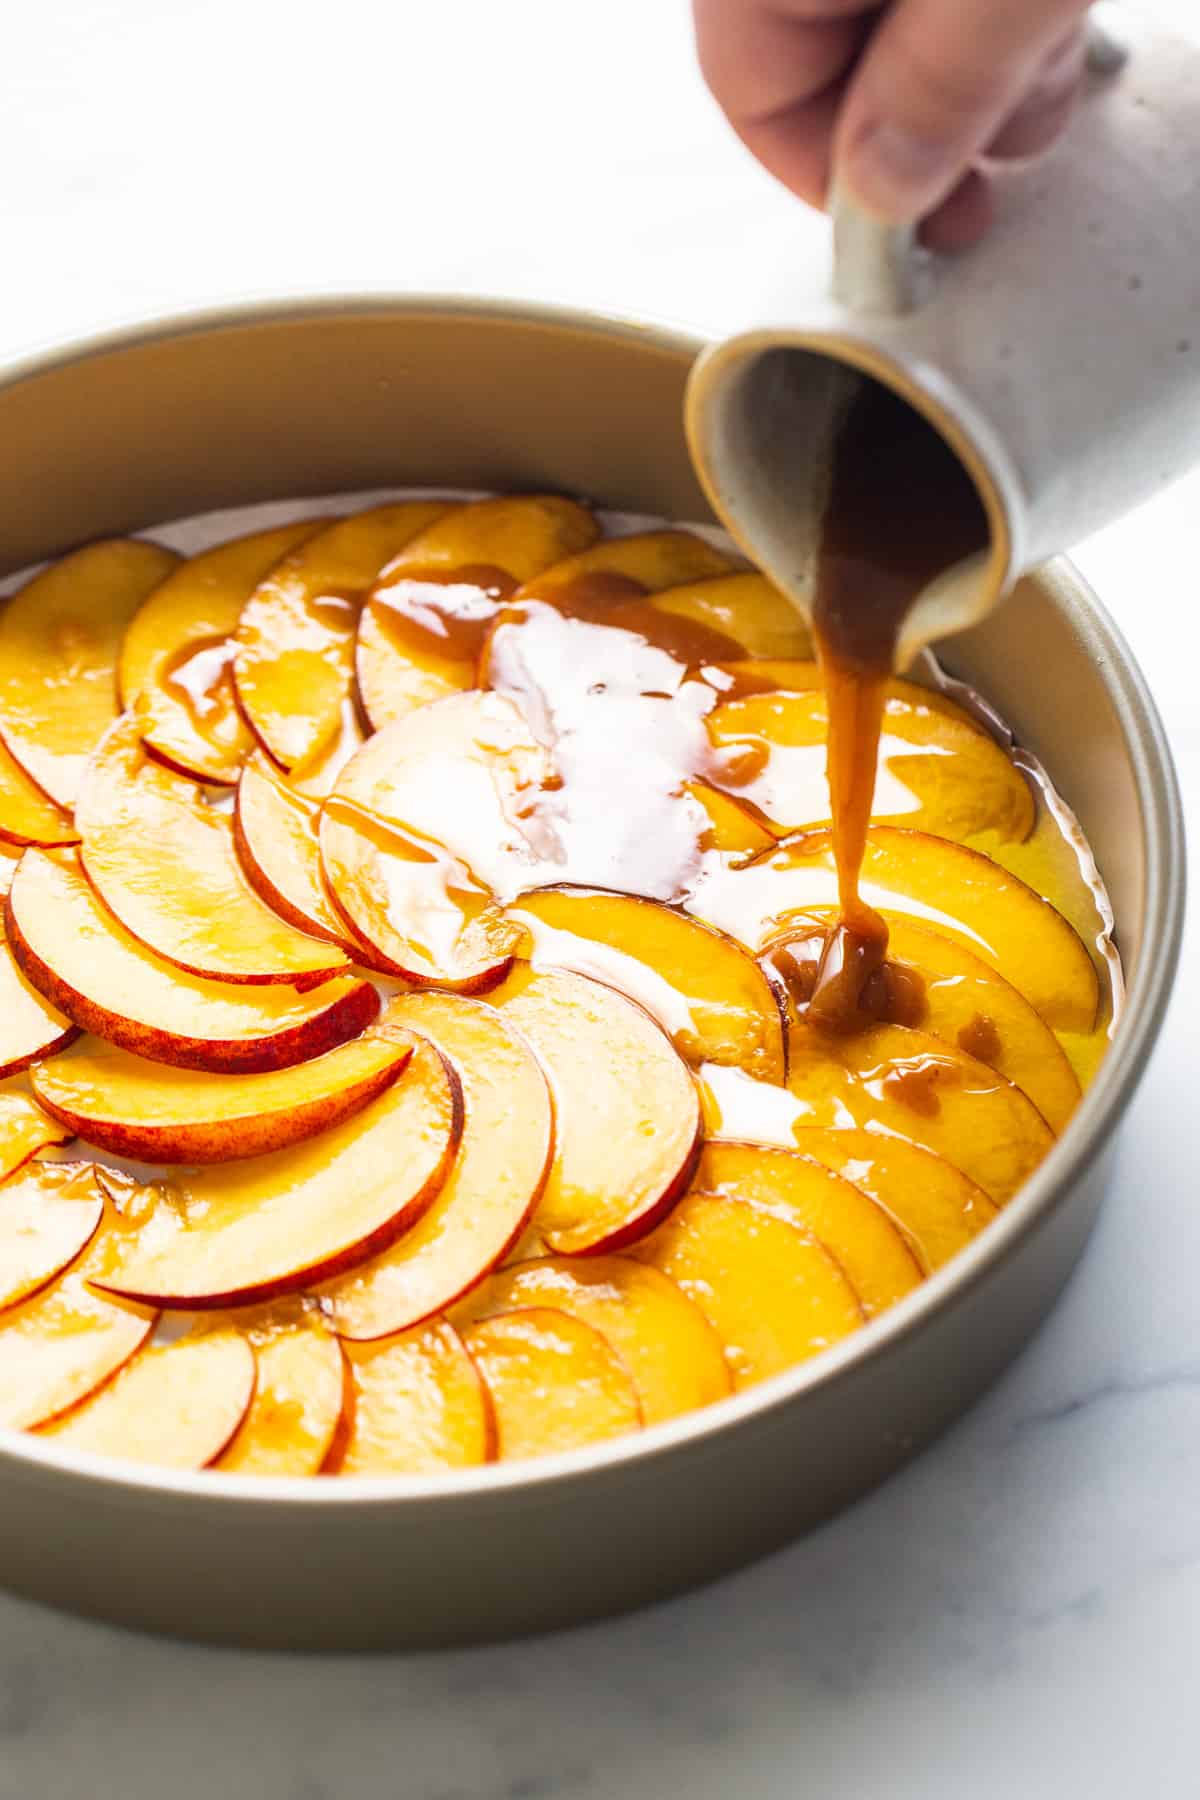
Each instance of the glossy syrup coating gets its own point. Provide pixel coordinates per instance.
(692, 1057)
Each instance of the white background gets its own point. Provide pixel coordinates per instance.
(1018, 1613)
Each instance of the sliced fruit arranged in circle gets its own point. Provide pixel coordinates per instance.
(936, 772)
(27, 816)
(933, 1203)
(953, 994)
(276, 832)
(555, 1383)
(706, 992)
(426, 820)
(300, 1396)
(165, 864)
(174, 668)
(152, 1113)
(66, 1340)
(60, 637)
(49, 1212)
(419, 1406)
(423, 626)
(672, 1352)
(24, 1130)
(859, 1234)
(83, 960)
(745, 607)
(174, 1404)
(29, 1026)
(252, 1230)
(488, 1196)
(895, 1079)
(626, 1110)
(652, 559)
(932, 881)
(294, 662)
(773, 1294)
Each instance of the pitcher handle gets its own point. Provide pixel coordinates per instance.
(880, 268)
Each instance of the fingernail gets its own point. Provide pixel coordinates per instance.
(897, 175)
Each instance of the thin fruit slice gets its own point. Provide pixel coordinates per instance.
(627, 1115)
(300, 1397)
(936, 772)
(29, 1026)
(422, 629)
(956, 996)
(294, 663)
(706, 992)
(144, 1110)
(49, 1212)
(253, 1230)
(276, 831)
(425, 822)
(27, 816)
(773, 1294)
(175, 659)
(84, 961)
(744, 606)
(957, 891)
(59, 642)
(894, 1079)
(508, 1132)
(859, 1234)
(24, 1130)
(10, 856)
(653, 559)
(731, 828)
(555, 1383)
(177, 1405)
(166, 865)
(62, 1343)
(668, 1346)
(932, 1202)
(419, 1406)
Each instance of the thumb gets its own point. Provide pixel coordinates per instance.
(937, 80)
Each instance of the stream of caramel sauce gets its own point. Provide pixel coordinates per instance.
(900, 510)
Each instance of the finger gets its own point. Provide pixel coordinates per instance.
(774, 73)
(1047, 106)
(934, 85)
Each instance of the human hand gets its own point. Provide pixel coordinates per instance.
(901, 101)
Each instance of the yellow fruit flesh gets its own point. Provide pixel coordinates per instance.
(276, 832)
(175, 656)
(419, 1405)
(939, 1211)
(294, 661)
(671, 1351)
(152, 1113)
(627, 1117)
(60, 637)
(706, 992)
(175, 1404)
(48, 1214)
(508, 1130)
(772, 1293)
(859, 1235)
(300, 1397)
(271, 1225)
(555, 1383)
(745, 607)
(24, 1130)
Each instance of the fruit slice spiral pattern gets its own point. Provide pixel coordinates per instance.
(603, 1168)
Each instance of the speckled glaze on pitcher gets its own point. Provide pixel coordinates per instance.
(1060, 358)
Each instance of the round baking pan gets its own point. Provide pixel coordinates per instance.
(185, 414)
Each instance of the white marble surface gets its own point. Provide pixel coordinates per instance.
(1018, 1613)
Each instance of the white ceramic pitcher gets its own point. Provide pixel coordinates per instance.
(1060, 358)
